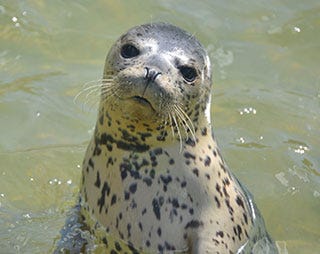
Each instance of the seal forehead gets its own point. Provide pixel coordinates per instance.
(167, 38)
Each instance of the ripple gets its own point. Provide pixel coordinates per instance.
(297, 146)
(282, 179)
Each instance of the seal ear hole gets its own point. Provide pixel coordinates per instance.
(129, 51)
(188, 73)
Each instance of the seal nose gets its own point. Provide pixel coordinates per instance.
(151, 74)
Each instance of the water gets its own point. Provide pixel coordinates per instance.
(265, 105)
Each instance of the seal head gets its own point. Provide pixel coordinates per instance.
(158, 72)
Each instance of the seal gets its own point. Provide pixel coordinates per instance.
(153, 178)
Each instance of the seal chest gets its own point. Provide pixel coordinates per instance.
(153, 178)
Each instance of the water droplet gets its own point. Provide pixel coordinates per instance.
(316, 194)
(296, 29)
(248, 110)
(293, 190)
(301, 149)
(241, 140)
(27, 216)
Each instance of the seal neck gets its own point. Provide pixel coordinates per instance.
(129, 134)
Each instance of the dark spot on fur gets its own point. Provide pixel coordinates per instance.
(158, 151)
(204, 131)
(91, 164)
(196, 172)
(129, 230)
(218, 188)
(140, 226)
(126, 195)
(220, 233)
(207, 161)
(217, 201)
(105, 190)
(214, 153)
(152, 173)
(97, 150)
(194, 224)
(117, 245)
(166, 179)
(190, 142)
(188, 155)
(223, 167)
(104, 240)
(133, 188)
(245, 217)
(147, 181)
(98, 181)
(156, 208)
(239, 201)
(113, 199)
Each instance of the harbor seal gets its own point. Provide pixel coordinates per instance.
(153, 178)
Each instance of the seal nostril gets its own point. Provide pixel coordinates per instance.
(151, 75)
(147, 72)
(156, 75)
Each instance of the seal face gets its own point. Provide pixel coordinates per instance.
(153, 179)
(158, 72)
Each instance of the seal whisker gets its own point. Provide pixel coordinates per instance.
(93, 92)
(92, 105)
(178, 129)
(187, 119)
(88, 87)
(112, 94)
(109, 91)
(171, 124)
(181, 119)
(84, 91)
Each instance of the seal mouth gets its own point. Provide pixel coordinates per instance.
(143, 101)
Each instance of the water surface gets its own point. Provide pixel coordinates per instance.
(265, 109)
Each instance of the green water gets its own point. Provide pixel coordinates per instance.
(266, 105)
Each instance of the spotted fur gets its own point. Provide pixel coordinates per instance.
(154, 182)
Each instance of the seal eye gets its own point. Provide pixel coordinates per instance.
(129, 51)
(188, 73)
